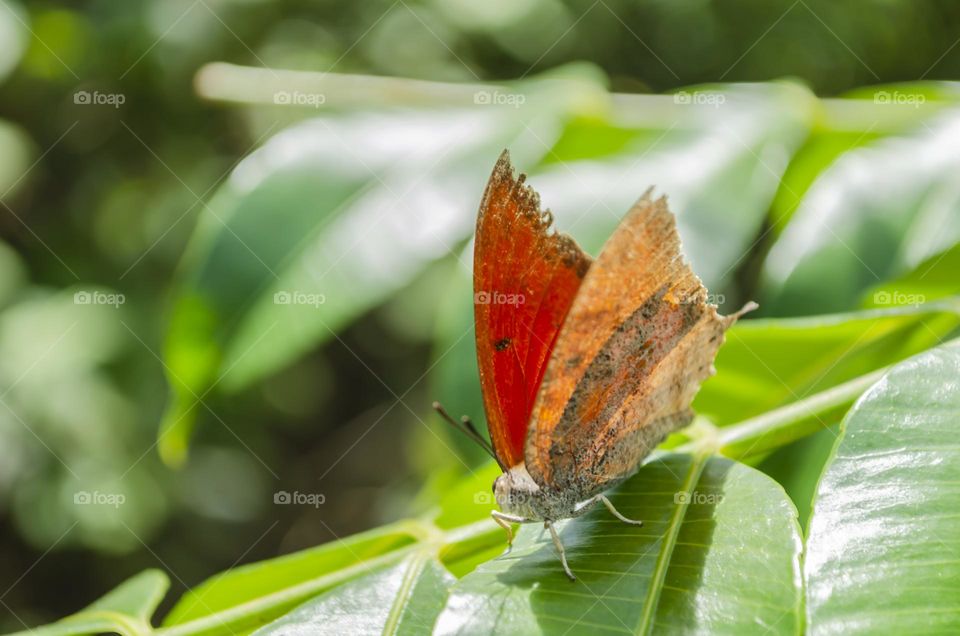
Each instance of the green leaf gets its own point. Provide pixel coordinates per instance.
(840, 127)
(138, 596)
(817, 154)
(403, 599)
(876, 212)
(246, 597)
(719, 166)
(766, 363)
(719, 552)
(125, 610)
(322, 223)
(935, 278)
(883, 554)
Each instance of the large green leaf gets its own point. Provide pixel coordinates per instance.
(719, 552)
(766, 363)
(246, 597)
(876, 212)
(843, 125)
(403, 599)
(126, 610)
(821, 149)
(320, 224)
(883, 547)
(718, 165)
(935, 278)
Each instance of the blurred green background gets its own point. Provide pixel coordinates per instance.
(153, 204)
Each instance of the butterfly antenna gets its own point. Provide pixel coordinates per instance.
(465, 426)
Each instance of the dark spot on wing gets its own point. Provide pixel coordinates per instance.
(502, 344)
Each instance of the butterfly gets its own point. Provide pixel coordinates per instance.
(585, 365)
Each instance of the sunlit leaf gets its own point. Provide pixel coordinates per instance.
(719, 552)
(934, 278)
(719, 165)
(766, 363)
(883, 548)
(877, 212)
(319, 225)
(403, 599)
(254, 594)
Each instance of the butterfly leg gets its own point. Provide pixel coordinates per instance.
(556, 542)
(504, 520)
(616, 513)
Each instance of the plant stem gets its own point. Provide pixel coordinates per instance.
(773, 429)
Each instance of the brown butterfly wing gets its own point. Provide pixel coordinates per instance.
(638, 341)
(525, 277)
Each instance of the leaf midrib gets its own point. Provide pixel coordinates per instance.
(667, 547)
(402, 598)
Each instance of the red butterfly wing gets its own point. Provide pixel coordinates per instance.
(525, 277)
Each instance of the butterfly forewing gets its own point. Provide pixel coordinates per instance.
(525, 279)
(638, 340)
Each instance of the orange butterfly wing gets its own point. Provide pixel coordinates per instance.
(524, 278)
(637, 342)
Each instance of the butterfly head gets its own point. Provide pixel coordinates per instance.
(516, 492)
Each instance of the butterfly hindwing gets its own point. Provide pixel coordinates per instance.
(525, 279)
(638, 340)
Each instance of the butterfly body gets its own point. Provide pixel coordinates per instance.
(586, 366)
(518, 494)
